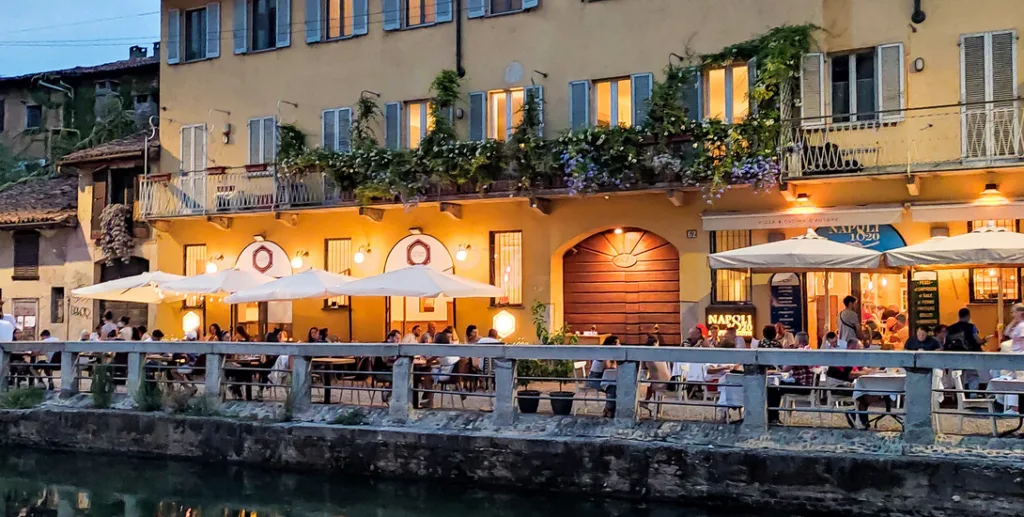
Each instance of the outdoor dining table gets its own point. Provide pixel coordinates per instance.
(890, 386)
(330, 364)
(730, 389)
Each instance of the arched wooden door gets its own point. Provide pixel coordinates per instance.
(623, 282)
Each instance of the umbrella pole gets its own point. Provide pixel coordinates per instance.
(999, 326)
(828, 306)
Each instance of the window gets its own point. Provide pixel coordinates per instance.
(340, 18)
(988, 67)
(985, 281)
(730, 286)
(481, 8)
(504, 113)
(507, 266)
(264, 24)
(337, 130)
(196, 22)
(619, 101)
(56, 305)
(337, 259)
(262, 140)
(852, 79)
(193, 148)
(505, 6)
(613, 103)
(33, 116)
(25, 312)
(194, 264)
(727, 96)
(420, 12)
(418, 120)
(26, 255)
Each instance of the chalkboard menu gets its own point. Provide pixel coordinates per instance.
(924, 298)
(788, 301)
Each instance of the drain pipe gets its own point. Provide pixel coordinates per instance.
(458, 39)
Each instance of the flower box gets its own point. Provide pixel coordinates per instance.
(256, 167)
(216, 170)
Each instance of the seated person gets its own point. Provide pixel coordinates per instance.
(921, 340)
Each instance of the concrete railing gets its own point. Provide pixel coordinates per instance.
(919, 367)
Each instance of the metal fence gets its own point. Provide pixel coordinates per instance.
(919, 393)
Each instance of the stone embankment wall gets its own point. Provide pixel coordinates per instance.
(807, 471)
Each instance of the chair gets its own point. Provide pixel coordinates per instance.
(963, 403)
(791, 400)
(580, 376)
(449, 384)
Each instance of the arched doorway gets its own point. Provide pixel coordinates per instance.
(623, 282)
(401, 312)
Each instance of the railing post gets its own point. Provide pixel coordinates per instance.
(5, 369)
(301, 390)
(214, 374)
(504, 388)
(625, 390)
(755, 398)
(68, 373)
(401, 389)
(136, 372)
(917, 425)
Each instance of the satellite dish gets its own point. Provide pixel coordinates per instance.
(513, 73)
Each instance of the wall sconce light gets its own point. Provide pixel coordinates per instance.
(991, 189)
(361, 254)
(297, 260)
(504, 323)
(919, 64)
(211, 265)
(259, 237)
(803, 199)
(191, 322)
(618, 231)
(463, 252)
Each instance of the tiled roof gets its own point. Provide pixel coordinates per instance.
(80, 71)
(40, 202)
(127, 146)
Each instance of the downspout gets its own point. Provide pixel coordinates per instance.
(458, 39)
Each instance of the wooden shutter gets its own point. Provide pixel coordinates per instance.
(579, 104)
(393, 125)
(344, 130)
(360, 17)
(642, 85)
(890, 81)
(973, 92)
(392, 14)
(269, 140)
(329, 138)
(199, 140)
(284, 23)
(812, 98)
(691, 94)
(240, 26)
(530, 4)
(186, 149)
(1004, 68)
(173, 36)
(476, 8)
(314, 12)
(477, 116)
(99, 200)
(213, 29)
(444, 11)
(537, 93)
(26, 255)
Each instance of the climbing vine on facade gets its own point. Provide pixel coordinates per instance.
(116, 237)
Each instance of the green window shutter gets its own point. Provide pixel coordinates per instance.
(751, 85)
(392, 14)
(444, 11)
(476, 8)
(477, 116)
(579, 104)
(360, 17)
(642, 85)
(313, 20)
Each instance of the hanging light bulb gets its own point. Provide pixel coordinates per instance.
(463, 253)
(361, 254)
(992, 272)
(211, 267)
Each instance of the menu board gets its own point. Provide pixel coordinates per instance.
(924, 298)
(788, 301)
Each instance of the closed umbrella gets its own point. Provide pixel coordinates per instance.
(808, 252)
(314, 283)
(417, 282)
(221, 283)
(143, 288)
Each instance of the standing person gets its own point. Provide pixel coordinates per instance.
(731, 335)
(213, 333)
(849, 321)
(124, 330)
(962, 336)
(414, 335)
(108, 325)
(657, 373)
(922, 341)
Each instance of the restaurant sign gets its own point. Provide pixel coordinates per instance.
(725, 316)
(924, 298)
(877, 237)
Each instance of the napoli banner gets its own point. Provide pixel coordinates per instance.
(876, 237)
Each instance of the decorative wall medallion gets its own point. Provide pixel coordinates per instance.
(262, 259)
(624, 260)
(418, 253)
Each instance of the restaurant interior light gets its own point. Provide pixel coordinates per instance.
(991, 189)
(618, 231)
(803, 199)
(463, 252)
(504, 323)
(361, 254)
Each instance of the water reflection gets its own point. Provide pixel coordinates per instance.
(38, 484)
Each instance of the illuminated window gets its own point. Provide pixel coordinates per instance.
(337, 259)
(340, 18)
(613, 101)
(727, 93)
(417, 122)
(985, 281)
(504, 113)
(730, 286)
(420, 12)
(507, 266)
(195, 264)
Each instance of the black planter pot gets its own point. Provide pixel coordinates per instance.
(528, 401)
(561, 402)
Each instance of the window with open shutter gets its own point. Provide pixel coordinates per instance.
(337, 127)
(890, 82)
(262, 140)
(988, 67)
(26, 255)
(812, 84)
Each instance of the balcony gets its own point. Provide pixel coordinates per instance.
(939, 138)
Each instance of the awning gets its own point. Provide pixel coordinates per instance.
(808, 217)
(948, 212)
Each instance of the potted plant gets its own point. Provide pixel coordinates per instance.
(528, 399)
(561, 401)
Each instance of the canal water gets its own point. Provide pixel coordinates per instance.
(47, 484)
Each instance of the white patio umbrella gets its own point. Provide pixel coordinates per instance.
(143, 288)
(221, 283)
(988, 246)
(417, 282)
(808, 252)
(314, 283)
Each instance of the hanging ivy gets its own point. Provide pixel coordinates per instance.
(116, 238)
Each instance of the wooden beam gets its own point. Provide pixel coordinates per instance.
(676, 197)
(540, 204)
(161, 225)
(223, 223)
(374, 214)
(291, 220)
(788, 191)
(914, 185)
(452, 209)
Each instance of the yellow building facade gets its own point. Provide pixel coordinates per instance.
(902, 123)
